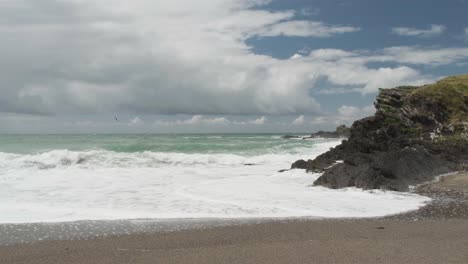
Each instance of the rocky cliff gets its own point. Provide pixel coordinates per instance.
(416, 134)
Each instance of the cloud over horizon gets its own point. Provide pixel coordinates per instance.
(196, 58)
(204, 120)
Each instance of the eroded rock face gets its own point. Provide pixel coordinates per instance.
(393, 170)
(416, 133)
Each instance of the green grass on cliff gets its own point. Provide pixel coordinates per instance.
(451, 92)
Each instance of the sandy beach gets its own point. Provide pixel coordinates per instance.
(360, 241)
(233, 131)
(437, 233)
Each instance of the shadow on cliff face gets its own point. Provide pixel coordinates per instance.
(416, 134)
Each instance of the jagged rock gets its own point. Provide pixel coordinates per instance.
(415, 134)
(311, 165)
(393, 170)
(340, 132)
(300, 164)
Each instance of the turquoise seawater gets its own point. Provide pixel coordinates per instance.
(241, 144)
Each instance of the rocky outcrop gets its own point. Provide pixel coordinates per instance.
(340, 132)
(415, 134)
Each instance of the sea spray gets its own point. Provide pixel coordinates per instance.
(94, 182)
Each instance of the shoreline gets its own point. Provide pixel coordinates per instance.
(437, 232)
(322, 241)
(29, 233)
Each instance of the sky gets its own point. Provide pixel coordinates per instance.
(216, 66)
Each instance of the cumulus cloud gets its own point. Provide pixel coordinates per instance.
(259, 121)
(295, 56)
(421, 56)
(349, 68)
(301, 28)
(346, 114)
(179, 57)
(298, 121)
(434, 30)
(105, 56)
(353, 111)
(194, 120)
(409, 55)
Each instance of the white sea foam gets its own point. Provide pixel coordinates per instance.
(63, 185)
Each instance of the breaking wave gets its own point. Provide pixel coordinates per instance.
(99, 184)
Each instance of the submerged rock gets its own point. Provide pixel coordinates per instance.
(415, 134)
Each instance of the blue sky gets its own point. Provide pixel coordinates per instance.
(216, 65)
(376, 18)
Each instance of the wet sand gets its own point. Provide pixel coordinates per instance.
(437, 233)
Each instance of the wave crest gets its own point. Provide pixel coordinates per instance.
(111, 159)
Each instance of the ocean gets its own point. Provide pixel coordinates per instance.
(63, 178)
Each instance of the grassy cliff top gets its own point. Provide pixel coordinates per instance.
(450, 92)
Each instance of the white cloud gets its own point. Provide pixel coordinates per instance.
(197, 119)
(203, 120)
(180, 57)
(136, 122)
(422, 56)
(330, 54)
(194, 120)
(352, 113)
(345, 115)
(258, 121)
(295, 56)
(434, 30)
(298, 121)
(302, 28)
(403, 55)
(154, 43)
(348, 111)
(348, 71)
